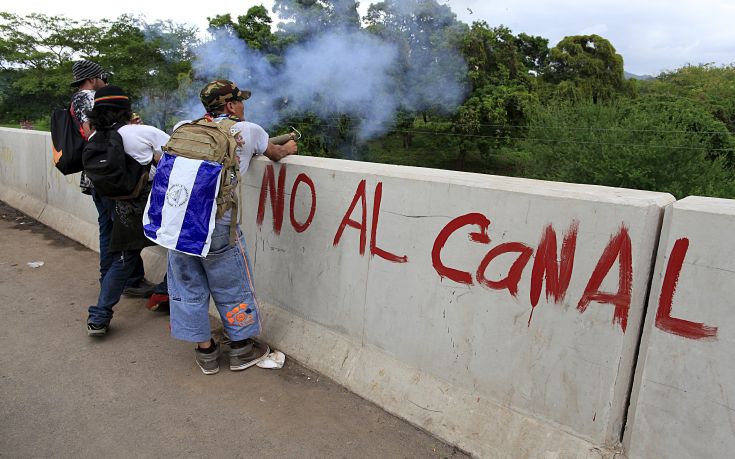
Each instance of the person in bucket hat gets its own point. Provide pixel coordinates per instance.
(87, 70)
(88, 77)
(225, 273)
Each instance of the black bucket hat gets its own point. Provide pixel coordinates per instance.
(84, 69)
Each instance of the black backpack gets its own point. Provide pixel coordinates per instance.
(114, 173)
(67, 141)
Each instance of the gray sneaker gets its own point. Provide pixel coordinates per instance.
(248, 355)
(208, 362)
(96, 330)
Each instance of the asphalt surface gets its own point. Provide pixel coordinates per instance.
(138, 392)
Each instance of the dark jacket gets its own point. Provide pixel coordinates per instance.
(127, 228)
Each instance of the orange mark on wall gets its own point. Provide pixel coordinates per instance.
(57, 155)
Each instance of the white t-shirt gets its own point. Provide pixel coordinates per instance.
(141, 141)
(253, 141)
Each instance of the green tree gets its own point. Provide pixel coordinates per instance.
(37, 53)
(254, 27)
(587, 67)
(502, 88)
(35, 61)
(650, 143)
(40, 41)
(428, 37)
(533, 51)
(708, 85)
(159, 59)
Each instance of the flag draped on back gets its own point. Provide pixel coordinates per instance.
(181, 208)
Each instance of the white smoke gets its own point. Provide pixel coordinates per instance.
(342, 73)
(337, 72)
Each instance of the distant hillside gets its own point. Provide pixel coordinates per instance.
(629, 75)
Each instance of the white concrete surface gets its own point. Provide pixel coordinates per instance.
(683, 403)
(23, 168)
(565, 370)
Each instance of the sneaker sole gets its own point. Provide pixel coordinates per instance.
(205, 371)
(96, 333)
(208, 372)
(252, 362)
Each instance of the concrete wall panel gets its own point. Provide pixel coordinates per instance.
(66, 195)
(68, 210)
(684, 398)
(552, 361)
(30, 182)
(23, 158)
(301, 272)
(561, 367)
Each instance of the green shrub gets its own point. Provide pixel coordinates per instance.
(658, 144)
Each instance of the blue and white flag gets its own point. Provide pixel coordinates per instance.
(181, 208)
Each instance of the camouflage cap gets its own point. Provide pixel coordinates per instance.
(216, 94)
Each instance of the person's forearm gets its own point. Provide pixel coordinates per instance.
(277, 152)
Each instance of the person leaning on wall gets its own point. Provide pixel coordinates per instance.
(225, 272)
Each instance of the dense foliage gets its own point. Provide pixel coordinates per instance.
(563, 113)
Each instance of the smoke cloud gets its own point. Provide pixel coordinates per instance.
(337, 72)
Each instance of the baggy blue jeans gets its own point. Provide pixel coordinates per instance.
(225, 274)
(122, 267)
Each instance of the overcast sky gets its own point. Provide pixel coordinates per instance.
(651, 35)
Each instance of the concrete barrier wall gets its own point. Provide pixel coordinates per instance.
(23, 168)
(503, 315)
(683, 404)
(416, 289)
(30, 182)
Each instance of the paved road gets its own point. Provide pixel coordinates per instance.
(138, 392)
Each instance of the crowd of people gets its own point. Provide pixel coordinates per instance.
(223, 271)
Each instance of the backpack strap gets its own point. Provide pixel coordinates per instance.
(230, 196)
(76, 120)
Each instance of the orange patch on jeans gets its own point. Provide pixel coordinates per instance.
(239, 316)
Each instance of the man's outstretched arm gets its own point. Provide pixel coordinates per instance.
(277, 152)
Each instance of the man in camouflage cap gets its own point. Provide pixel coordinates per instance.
(215, 95)
(225, 273)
